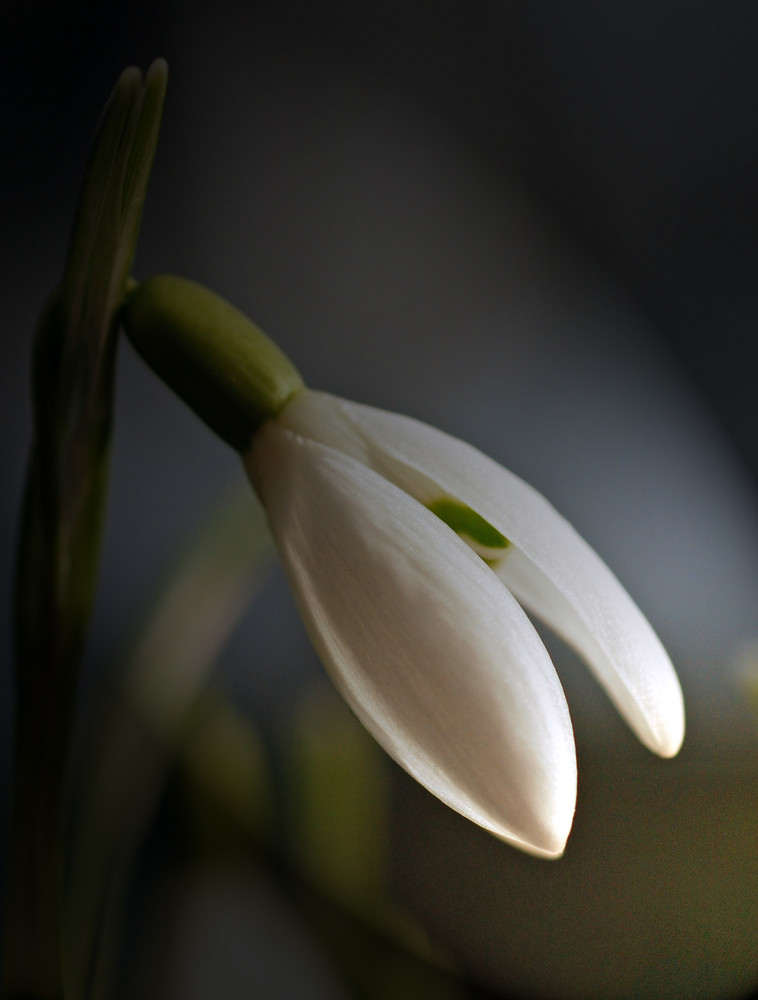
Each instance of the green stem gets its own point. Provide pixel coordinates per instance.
(72, 390)
(57, 561)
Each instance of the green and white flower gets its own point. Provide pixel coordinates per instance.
(411, 554)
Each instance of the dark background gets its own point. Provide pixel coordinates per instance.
(633, 127)
(623, 138)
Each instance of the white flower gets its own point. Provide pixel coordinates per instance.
(410, 554)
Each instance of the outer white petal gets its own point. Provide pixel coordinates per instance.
(431, 651)
(548, 567)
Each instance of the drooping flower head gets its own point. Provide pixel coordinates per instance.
(413, 557)
(411, 554)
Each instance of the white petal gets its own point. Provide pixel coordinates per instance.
(427, 646)
(548, 567)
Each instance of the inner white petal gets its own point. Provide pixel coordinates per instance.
(549, 567)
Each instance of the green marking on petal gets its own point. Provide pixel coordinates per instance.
(465, 521)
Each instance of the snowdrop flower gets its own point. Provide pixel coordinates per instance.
(412, 557)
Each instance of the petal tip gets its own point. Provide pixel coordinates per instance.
(667, 726)
(545, 831)
(548, 843)
(670, 742)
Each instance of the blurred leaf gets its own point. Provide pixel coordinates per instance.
(138, 740)
(745, 672)
(338, 802)
(375, 964)
(227, 778)
(337, 824)
(329, 861)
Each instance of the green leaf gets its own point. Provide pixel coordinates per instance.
(72, 389)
